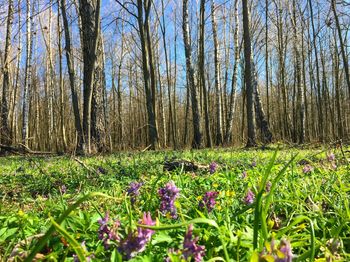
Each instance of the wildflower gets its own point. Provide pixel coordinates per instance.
(213, 167)
(191, 248)
(230, 193)
(249, 198)
(253, 163)
(168, 195)
(63, 189)
(268, 186)
(331, 157)
(208, 200)
(244, 174)
(133, 191)
(136, 241)
(108, 233)
(307, 169)
(101, 170)
(282, 253)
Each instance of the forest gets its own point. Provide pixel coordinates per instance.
(104, 76)
(174, 130)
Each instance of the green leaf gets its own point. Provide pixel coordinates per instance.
(72, 242)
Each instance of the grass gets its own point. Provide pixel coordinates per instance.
(49, 206)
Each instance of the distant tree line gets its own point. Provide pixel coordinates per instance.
(92, 76)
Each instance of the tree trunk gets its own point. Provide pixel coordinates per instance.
(218, 136)
(148, 85)
(202, 73)
(260, 116)
(28, 77)
(71, 72)
(232, 102)
(197, 140)
(248, 77)
(5, 134)
(89, 11)
(342, 49)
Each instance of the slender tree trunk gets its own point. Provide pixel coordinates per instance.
(90, 25)
(341, 42)
(248, 77)
(148, 85)
(71, 72)
(5, 134)
(300, 127)
(61, 84)
(319, 97)
(202, 73)
(218, 136)
(232, 102)
(260, 116)
(28, 77)
(197, 140)
(337, 91)
(168, 75)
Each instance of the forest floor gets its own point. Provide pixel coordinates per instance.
(244, 205)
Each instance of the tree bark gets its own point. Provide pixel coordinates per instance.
(71, 72)
(248, 77)
(5, 134)
(89, 11)
(201, 58)
(196, 117)
(232, 102)
(218, 135)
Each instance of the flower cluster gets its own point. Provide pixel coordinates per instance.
(282, 253)
(244, 174)
(191, 248)
(108, 233)
(249, 198)
(307, 169)
(331, 160)
(133, 191)
(168, 195)
(213, 167)
(208, 200)
(331, 157)
(135, 242)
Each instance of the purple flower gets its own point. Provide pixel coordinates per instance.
(213, 167)
(108, 233)
(168, 195)
(135, 242)
(133, 191)
(101, 170)
(286, 249)
(244, 174)
(283, 253)
(208, 200)
(331, 157)
(63, 189)
(249, 198)
(268, 186)
(191, 248)
(253, 163)
(307, 169)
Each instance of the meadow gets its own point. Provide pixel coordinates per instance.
(239, 205)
